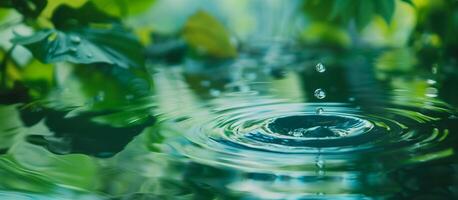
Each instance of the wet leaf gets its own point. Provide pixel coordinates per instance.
(113, 46)
(82, 39)
(206, 34)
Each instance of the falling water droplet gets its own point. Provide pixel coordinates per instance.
(351, 99)
(320, 68)
(320, 94)
(75, 39)
(319, 111)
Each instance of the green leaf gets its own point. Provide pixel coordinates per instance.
(113, 46)
(85, 35)
(123, 7)
(409, 2)
(385, 8)
(66, 17)
(205, 34)
(364, 15)
(28, 8)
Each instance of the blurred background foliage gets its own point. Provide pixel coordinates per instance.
(44, 42)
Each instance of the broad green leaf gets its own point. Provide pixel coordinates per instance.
(82, 39)
(66, 17)
(385, 8)
(204, 33)
(409, 2)
(364, 16)
(123, 7)
(344, 11)
(113, 46)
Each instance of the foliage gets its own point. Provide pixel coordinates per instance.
(28, 8)
(76, 40)
(344, 11)
(205, 34)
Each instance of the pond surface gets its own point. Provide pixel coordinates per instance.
(251, 128)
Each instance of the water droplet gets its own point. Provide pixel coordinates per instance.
(351, 99)
(75, 39)
(320, 94)
(320, 68)
(215, 92)
(319, 111)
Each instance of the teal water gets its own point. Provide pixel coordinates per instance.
(250, 128)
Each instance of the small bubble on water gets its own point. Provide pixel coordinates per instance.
(75, 39)
(215, 92)
(319, 111)
(320, 94)
(320, 68)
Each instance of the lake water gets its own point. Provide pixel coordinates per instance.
(249, 128)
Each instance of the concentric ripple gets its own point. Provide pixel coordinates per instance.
(281, 135)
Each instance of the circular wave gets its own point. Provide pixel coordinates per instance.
(290, 136)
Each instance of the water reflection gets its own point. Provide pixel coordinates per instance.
(236, 129)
